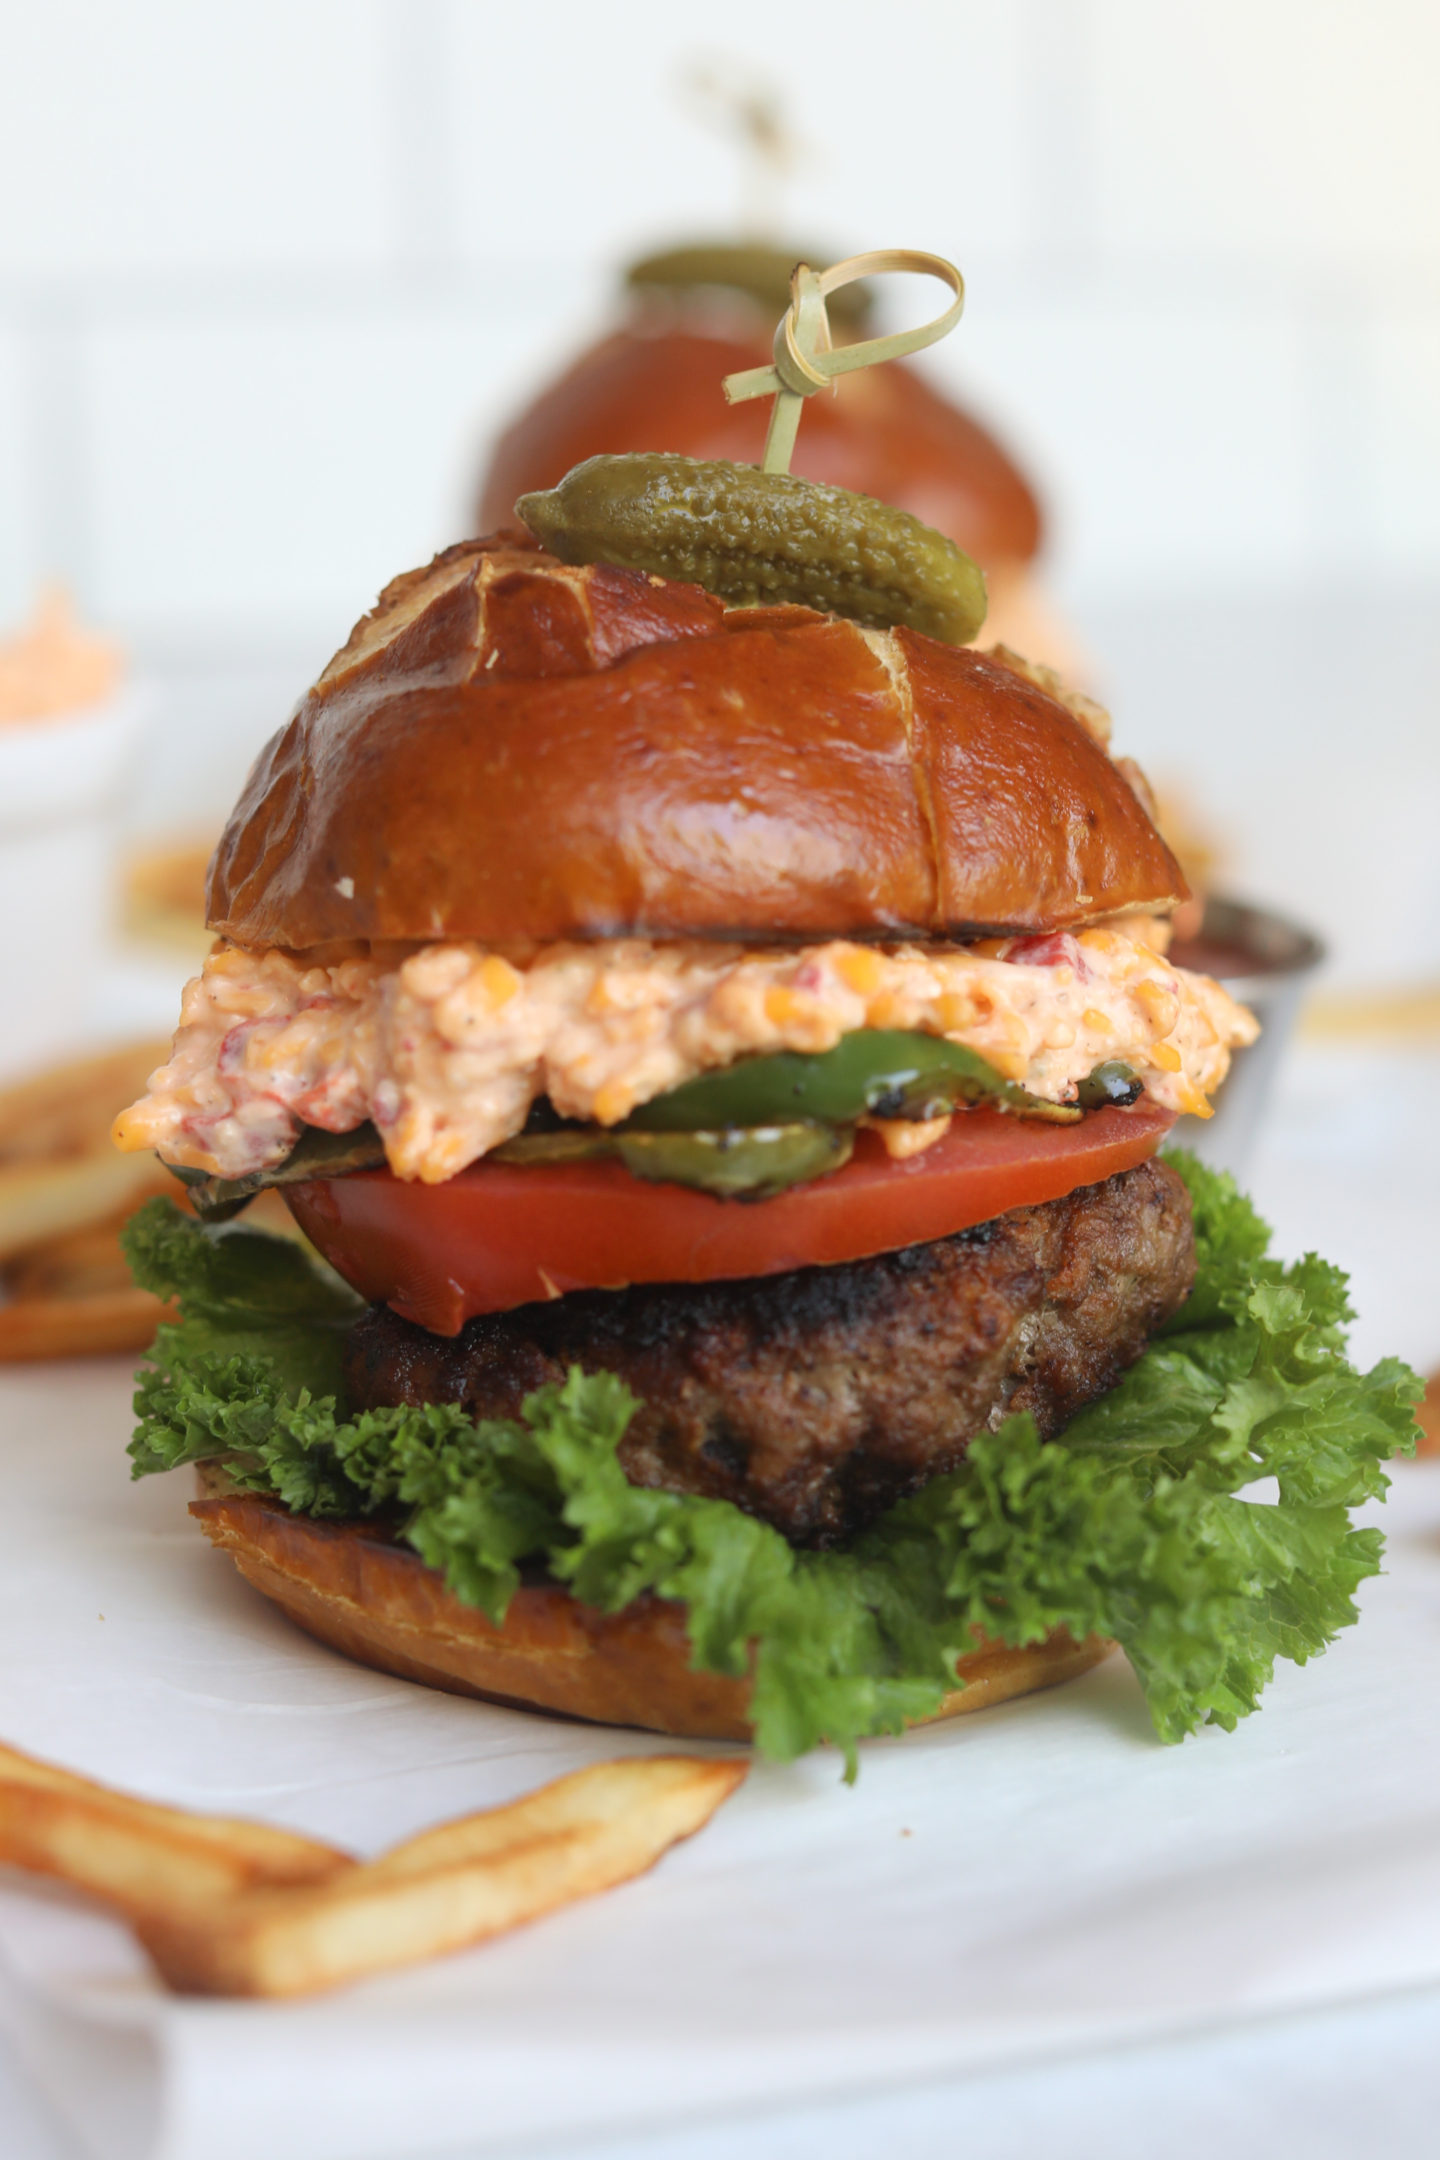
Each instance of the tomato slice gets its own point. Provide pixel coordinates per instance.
(503, 1234)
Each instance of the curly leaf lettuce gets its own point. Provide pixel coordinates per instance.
(1135, 1522)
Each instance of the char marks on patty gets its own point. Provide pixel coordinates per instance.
(817, 1399)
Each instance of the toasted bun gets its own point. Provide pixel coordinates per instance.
(377, 1602)
(883, 432)
(511, 749)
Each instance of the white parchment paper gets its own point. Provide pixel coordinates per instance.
(1037, 1877)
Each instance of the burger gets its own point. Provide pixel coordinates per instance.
(719, 1059)
(691, 315)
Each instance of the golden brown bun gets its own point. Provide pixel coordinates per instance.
(882, 432)
(510, 749)
(377, 1601)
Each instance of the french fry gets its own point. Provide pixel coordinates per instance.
(50, 1199)
(102, 1846)
(58, 1170)
(447, 1890)
(138, 1855)
(68, 1110)
(65, 1290)
(164, 896)
(71, 1295)
(1427, 1416)
(82, 1263)
(101, 1325)
(583, 1801)
(228, 1907)
(1400, 1016)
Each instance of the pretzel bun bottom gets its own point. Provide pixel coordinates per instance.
(354, 1588)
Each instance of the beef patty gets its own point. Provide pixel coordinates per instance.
(816, 1399)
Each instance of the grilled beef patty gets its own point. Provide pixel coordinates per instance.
(816, 1399)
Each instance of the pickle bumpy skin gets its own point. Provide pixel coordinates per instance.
(760, 539)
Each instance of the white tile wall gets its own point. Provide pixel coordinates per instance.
(281, 263)
(14, 468)
(164, 136)
(1405, 354)
(1304, 732)
(1173, 430)
(574, 134)
(270, 269)
(276, 466)
(1294, 131)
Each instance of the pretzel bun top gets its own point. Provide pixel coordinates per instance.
(509, 749)
(654, 384)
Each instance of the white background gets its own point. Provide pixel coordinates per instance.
(269, 270)
(269, 273)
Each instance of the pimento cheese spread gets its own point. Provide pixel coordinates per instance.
(446, 1046)
(53, 666)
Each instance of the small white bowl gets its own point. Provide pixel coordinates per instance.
(61, 785)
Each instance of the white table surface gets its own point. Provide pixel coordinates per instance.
(1348, 1167)
(1337, 2085)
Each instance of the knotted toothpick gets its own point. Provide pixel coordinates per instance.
(806, 360)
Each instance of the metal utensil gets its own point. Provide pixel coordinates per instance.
(1263, 960)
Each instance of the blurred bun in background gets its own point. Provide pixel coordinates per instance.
(692, 314)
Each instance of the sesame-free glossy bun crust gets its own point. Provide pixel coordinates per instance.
(654, 384)
(376, 1601)
(511, 749)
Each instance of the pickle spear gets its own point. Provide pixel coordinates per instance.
(760, 539)
(739, 1163)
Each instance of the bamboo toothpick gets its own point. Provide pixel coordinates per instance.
(749, 107)
(806, 360)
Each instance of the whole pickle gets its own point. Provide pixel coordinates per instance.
(880, 1072)
(759, 539)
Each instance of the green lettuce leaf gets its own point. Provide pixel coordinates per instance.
(1136, 1522)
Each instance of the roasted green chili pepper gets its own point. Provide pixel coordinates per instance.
(758, 539)
(1109, 1083)
(874, 1072)
(315, 1154)
(738, 1163)
(735, 1162)
(754, 1129)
